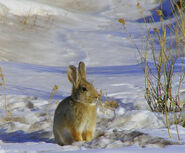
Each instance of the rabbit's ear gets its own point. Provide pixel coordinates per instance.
(82, 70)
(73, 75)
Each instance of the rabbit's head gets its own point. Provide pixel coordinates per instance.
(82, 91)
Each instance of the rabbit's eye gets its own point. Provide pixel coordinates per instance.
(84, 89)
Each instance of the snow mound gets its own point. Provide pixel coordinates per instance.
(25, 7)
(138, 120)
(81, 6)
(30, 123)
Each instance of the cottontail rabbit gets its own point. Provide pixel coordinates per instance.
(75, 116)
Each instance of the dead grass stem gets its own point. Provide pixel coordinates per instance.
(165, 52)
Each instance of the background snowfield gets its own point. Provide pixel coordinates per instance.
(41, 38)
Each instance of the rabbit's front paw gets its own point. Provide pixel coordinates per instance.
(77, 136)
(87, 135)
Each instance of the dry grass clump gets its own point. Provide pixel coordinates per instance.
(2, 84)
(15, 119)
(159, 85)
(53, 92)
(107, 104)
(161, 93)
(159, 77)
(179, 4)
(29, 20)
(33, 20)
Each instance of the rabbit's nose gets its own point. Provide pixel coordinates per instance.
(96, 94)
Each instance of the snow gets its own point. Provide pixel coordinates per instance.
(23, 7)
(40, 38)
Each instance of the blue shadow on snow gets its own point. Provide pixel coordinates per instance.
(21, 137)
(167, 10)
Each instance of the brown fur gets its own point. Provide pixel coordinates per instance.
(75, 116)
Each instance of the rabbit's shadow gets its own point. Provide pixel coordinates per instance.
(21, 137)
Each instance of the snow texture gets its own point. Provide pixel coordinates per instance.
(40, 38)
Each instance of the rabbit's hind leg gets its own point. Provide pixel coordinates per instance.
(63, 137)
(66, 136)
(58, 138)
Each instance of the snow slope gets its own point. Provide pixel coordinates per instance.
(31, 127)
(73, 36)
(40, 38)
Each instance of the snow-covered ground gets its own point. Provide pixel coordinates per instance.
(40, 38)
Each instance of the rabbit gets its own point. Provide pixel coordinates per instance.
(75, 116)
